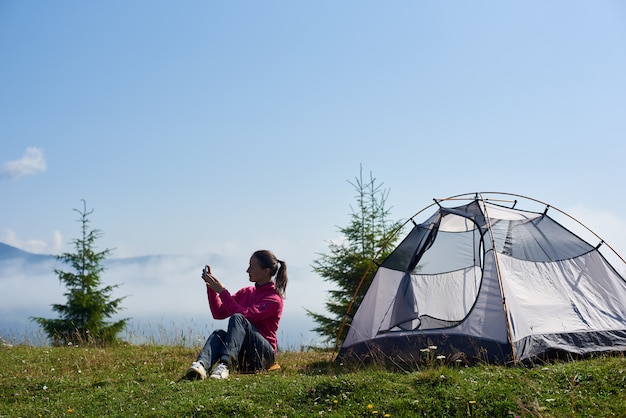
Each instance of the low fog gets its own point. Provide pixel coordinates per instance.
(165, 298)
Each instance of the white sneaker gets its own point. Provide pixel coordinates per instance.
(196, 371)
(220, 372)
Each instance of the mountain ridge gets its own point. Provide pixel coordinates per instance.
(11, 253)
(8, 252)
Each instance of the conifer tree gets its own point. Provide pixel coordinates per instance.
(346, 262)
(83, 317)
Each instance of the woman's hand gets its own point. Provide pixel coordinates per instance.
(212, 281)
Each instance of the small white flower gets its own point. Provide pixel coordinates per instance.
(45, 387)
(441, 357)
(432, 347)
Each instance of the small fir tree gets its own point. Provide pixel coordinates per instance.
(83, 317)
(347, 262)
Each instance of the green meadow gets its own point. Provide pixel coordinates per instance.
(145, 381)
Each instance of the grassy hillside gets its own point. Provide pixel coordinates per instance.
(145, 381)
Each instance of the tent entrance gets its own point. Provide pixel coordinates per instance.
(441, 288)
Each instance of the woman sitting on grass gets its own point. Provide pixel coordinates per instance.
(249, 343)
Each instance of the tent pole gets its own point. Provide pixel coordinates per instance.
(563, 213)
(495, 256)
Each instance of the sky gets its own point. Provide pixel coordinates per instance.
(206, 129)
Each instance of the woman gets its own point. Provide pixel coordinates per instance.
(249, 343)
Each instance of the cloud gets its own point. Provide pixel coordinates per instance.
(32, 162)
(57, 242)
(34, 246)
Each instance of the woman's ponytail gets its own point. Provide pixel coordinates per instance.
(281, 280)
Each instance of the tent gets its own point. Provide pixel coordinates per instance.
(486, 281)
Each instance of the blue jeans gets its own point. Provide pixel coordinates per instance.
(241, 346)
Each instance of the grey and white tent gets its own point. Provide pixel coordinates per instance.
(488, 281)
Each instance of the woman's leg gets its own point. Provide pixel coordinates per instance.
(212, 349)
(246, 345)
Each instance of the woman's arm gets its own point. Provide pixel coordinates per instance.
(214, 288)
(267, 307)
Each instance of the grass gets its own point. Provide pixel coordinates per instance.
(132, 380)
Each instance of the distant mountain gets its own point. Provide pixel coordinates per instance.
(8, 253)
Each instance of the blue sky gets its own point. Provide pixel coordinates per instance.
(198, 127)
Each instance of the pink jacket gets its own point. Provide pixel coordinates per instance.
(260, 305)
